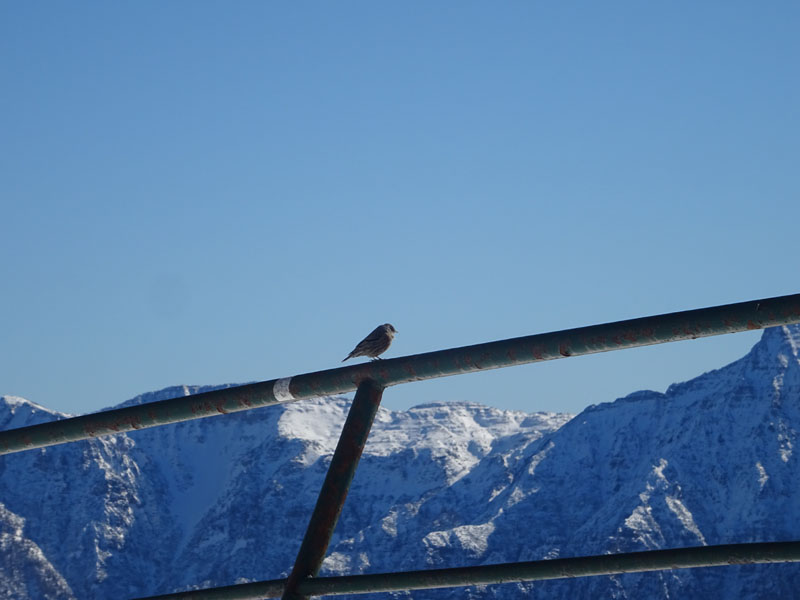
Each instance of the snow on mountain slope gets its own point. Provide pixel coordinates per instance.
(18, 412)
(92, 513)
(711, 461)
(226, 499)
(25, 573)
(275, 485)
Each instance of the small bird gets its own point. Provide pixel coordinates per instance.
(375, 343)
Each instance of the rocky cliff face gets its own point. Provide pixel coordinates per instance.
(226, 499)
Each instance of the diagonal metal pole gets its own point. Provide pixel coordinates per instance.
(335, 487)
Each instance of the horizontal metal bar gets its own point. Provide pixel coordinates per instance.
(335, 487)
(540, 570)
(731, 318)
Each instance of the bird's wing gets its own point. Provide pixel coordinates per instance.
(376, 334)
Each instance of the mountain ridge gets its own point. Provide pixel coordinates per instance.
(711, 460)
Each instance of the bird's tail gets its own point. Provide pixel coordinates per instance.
(348, 356)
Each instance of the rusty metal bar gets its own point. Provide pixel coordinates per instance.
(335, 487)
(540, 570)
(730, 318)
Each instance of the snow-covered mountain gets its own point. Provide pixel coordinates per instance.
(223, 500)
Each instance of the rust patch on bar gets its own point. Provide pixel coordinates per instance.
(689, 332)
(751, 325)
(483, 358)
(634, 335)
(202, 408)
(471, 363)
(563, 350)
(97, 428)
(598, 341)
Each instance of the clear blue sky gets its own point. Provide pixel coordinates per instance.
(207, 192)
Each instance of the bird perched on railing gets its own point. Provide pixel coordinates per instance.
(375, 343)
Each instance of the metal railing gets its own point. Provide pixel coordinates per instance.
(370, 379)
(541, 570)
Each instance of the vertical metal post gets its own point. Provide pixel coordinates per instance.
(335, 487)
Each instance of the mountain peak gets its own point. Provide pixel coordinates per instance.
(775, 354)
(780, 340)
(18, 412)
